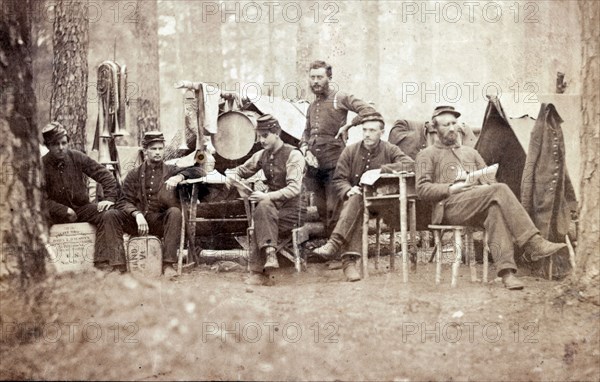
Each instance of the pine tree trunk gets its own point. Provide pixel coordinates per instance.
(148, 102)
(587, 275)
(371, 13)
(22, 224)
(68, 104)
(306, 52)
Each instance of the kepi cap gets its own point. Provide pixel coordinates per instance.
(52, 132)
(267, 122)
(151, 137)
(445, 109)
(372, 116)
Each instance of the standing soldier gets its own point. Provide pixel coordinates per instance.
(321, 142)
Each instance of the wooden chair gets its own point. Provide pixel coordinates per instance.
(458, 230)
(298, 236)
(189, 216)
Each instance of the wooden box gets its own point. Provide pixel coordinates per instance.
(71, 247)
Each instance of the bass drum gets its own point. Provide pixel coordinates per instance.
(235, 140)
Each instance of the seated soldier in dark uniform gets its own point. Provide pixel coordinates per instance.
(281, 208)
(149, 204)
(66, 190)
(369, 154)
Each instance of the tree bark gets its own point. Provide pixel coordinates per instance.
(68, 104)
(22, 229)
(587, 274)
(370, 11)
(306, 52)
(148, 102)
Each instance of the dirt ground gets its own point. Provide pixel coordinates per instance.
(310, 326)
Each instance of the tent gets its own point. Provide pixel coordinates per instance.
(506, 130)
(532, 154)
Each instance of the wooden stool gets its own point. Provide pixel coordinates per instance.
(469, 249)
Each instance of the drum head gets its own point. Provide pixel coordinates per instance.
(235, 135)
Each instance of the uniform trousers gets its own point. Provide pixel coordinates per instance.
(497, 209)
(273, 220)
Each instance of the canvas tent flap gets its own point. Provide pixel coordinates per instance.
(569, 108)
(508, 142)
(290, 114)
(498, 143)
(522, 127)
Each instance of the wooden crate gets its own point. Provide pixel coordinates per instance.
(144, 256)
(71, 247)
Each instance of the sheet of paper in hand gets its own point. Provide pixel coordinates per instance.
(484, 175)
(213, 177)
(369, 178)
(239, 184)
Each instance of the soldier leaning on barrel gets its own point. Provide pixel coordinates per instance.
(66, 172)
(148, 204)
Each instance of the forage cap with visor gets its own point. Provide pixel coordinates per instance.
(53, 132)
(151, 137)
(268, 123)
(445, 109)
(372, 116)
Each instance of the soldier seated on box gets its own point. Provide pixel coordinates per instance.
(68, 201)
(149, 204)
(281, 208)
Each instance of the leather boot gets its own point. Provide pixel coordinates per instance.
(511, 281)
(537, 248)
(329, 249)
(349, 266)
(271, 258)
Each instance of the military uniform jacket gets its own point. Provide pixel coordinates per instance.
(546, 190)
(66, 182)
(356, 159)
(283, 170)
(134, 196)
(437, 168)
(324, 118)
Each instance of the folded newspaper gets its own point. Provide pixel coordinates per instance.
(369, 178)
(484, 175)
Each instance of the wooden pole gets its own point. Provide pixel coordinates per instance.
(403, 228)
(438, 256)
(365, 236)
(458, 256)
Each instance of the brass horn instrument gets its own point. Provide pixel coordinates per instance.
(181, 120)
(104, 152)
(111, 115)
(121, 112)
